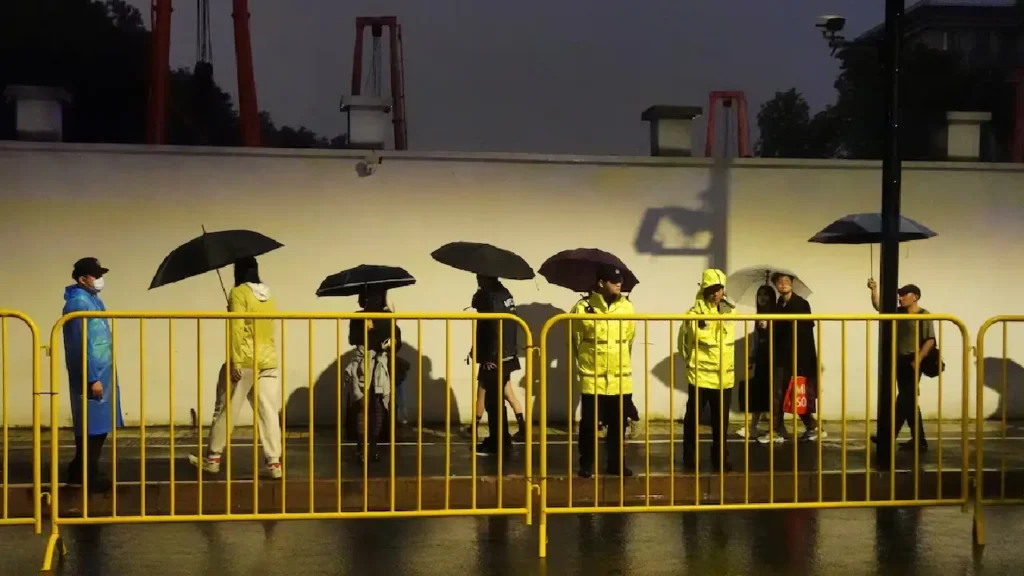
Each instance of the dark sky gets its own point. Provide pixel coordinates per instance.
(559, 76)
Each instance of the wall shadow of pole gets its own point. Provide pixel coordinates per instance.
(681, 231)
(1013, 400)
(896, 538)
(561, 403)
(436, 391)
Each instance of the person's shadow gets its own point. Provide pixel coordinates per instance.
(1013, 400)
(663, 372)
(326, 400)
(562, 396)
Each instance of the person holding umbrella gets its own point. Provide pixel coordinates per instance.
(376, 339)
(790, 302)
(493, 297)
(491, 263)
(98, 380)
(604, 350)
(252, 345)
(707, 349)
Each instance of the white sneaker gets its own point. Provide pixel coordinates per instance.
(272, 470)
(210, 463)
(769, 438)
(812, 435)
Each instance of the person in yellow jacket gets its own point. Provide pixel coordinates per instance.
(707, 348)
(252, 346)
(603, 362)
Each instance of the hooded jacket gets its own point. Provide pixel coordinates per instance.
(99, 363)
(254, 298)
(708, 347)
(604, 347)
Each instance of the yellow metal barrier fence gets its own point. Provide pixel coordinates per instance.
(760, 484)
(460, 488)
(995, 484)
(8, 518)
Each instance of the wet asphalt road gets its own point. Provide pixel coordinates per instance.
(903, 541)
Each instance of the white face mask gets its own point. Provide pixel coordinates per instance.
(97, 284)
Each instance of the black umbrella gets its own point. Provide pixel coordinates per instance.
(484, 259)
(867, 229)
(577, 269)
(355, 281)
(211, 251)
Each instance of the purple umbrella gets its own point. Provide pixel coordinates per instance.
(577, 269)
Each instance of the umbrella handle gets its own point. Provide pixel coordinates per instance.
(219, 277)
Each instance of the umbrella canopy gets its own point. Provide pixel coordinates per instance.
(577, 269)
(867, 229)
(209, 252)
(484, 259)
(742, 284)
(354, 281)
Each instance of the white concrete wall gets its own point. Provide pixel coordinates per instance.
(129, 206)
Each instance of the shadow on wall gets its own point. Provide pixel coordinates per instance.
(561, 404)
(1013, 400)
(436, 393)
(663, 370)
(680, 231)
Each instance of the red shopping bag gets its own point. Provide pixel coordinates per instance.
(801, 396)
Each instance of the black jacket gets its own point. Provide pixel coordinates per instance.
(807, 354)
(496, 300)
(380, 332)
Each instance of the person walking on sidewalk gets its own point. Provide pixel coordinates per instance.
(98, 382)
(496, 365)
(912, 347)
(604, 350)
(783, 370)
(707, 348)
(252, 342)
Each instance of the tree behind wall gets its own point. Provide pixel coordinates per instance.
(932, 83)
(99, 52)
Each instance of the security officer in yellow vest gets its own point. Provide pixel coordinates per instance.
(603, 361)
(707, 348)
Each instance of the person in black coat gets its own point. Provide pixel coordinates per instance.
(759, 398)
(496, 366)
(806, 359)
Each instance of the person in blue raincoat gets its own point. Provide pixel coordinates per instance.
(98, 381)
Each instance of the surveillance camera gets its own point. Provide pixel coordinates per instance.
(831, 23)
(364, 169)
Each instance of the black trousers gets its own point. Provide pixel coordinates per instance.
(372, 427)
(493, 384)
(608, 409)
(95, 444)
(718, 407)
(906, 392)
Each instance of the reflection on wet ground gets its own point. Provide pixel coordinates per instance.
(895, 541)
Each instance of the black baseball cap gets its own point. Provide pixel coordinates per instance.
(909, 289)
(88, 266)
(609, 273)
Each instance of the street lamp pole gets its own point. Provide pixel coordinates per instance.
(891, 181)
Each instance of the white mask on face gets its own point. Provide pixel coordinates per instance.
(97, 284)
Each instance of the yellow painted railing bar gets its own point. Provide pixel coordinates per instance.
(5, 383)
(671, 414)
(867, 409)
(227, 421)
(170, 406)
(5, 376)
(796, 410)
(86, 390)
(340, 427)
(311, 336)
(392, 352)
(282, 364)
(647, 410)
(474, 392)
(448, 416)
(842, 431)
(962, 464)
(200, 453)
(771, 413)
(746, 413)
(367, 396)
(500, 393)
(113, 418)
(419, 415)
(818, 416)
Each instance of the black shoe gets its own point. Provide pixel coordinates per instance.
(614, 471)
(486, 448)
(100, 485)
(520, 436)
(374, 456)
(715, 468)
(689, 464)
(586, 472)
(909, 446)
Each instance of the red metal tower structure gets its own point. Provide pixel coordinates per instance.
(376, 24)
(248, 110)
(726, 98)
